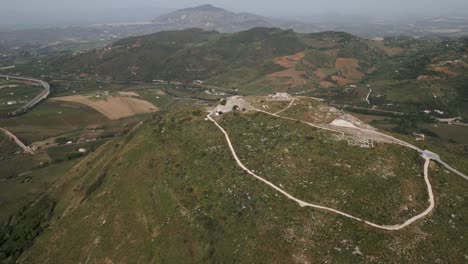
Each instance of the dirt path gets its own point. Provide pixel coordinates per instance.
(289, 106)
(427, 155)
(368, 95)
(304, 122)
(8, 86)
(25, 148)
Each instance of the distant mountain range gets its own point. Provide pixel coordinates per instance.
(210, 17)
(213, 18)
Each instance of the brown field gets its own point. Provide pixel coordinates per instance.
(341, 80)
(428, 78)
(289, 73)
(343, 63)
(320, 74)
(325, 84)
(113, 107)
(352, 74)
(289, 61)
(445, 70)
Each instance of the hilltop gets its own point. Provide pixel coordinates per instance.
(171, 191)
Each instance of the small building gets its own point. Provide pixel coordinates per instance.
(82, 150)
(11, 102)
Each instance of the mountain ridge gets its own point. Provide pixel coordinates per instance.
(210, 17)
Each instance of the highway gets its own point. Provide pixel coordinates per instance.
(38, 98)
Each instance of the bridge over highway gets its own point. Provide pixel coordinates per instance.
(38, 98)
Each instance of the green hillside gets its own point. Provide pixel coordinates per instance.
(164, 187)
(170, 192)
(406, 74)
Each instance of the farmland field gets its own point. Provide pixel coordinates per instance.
(114, 107)
(51, 119)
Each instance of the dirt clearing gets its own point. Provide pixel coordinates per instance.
(290, 61)
(114, 107)
(346, 63)
(325, 84)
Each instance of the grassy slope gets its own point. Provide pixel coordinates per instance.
(19, 191)
(374, 184)
(171, 193)
(7, 146)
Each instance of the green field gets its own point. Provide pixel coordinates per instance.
(20, 190)
(51, 119)
(18, 94)
(455, 133)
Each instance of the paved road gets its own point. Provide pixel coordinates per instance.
(38, 98)
(25, 148)
(427, 155)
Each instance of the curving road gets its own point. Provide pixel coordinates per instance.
(38, 98)
(427, 155)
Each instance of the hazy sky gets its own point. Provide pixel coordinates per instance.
(13, 11)
(267, 6)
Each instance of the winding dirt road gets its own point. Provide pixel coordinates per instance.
(427, 155)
